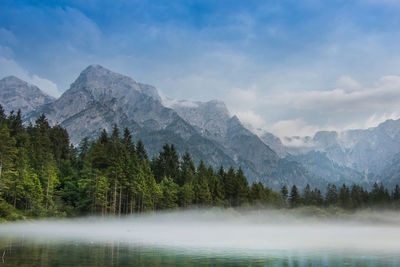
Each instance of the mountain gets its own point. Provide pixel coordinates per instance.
(390, 176)
(352, 156)
(16, 94)
(369, 150)
(274, 143)
(258, 160)
(100, 98)
(320, 165)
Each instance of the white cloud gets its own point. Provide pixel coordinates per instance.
(376, 119)
(384, 96)
(302, 113)
(296, 127)
(348, 83)
(251, 120)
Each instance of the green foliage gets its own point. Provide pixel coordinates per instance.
(294, 198)
(169, 198)
(186, 195)
(42, 174)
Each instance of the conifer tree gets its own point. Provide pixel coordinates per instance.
(242, 188)
(257, 194)
(294, 198)
(186, 195)
(331, 197)
(169, 198)
(187, 170)
(127, 141)
(396, 193)
(201, 187)
(284, 193)
(307, 197)
(229, 183)
(344, 197)
(8, 152)
(141, 151)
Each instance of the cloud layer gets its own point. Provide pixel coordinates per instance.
(350, 106)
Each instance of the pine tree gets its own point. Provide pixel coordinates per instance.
(169, 198)
(187, 170)
(396, 193)
(284, 193)
(294, 198)
(141, 151)
(331, 197)
(201, 187)
(15, 123)
(344, 197)
(217, 190)
(307, 197)
(167, 164)
(8, 153)
(3, 117)
(242, 188)
(229, 183)
(257, 194)
(186, 195)
(14, 184)
(316, 197)
(127, 142)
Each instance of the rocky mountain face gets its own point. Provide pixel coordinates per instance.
(366, 151)
(355, 156)
(100, 98)
(391, 173)
(320, 165)
(275, 144)
(16, 94)
(260, 162)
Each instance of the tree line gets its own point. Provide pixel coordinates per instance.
(42, 174)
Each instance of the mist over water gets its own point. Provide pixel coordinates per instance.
(249, 231)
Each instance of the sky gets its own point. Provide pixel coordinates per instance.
(289, 67)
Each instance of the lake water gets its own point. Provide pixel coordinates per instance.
(204, 239)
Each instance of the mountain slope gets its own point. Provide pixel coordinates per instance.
(368, 151)
(259, 162)
(320, 165)
(390, 176)
(100, 98)
(274, 143)
(16, 94)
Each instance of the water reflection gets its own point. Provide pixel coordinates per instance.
(24, 252)
(205, 239)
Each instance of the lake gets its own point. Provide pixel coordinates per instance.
(204, 238)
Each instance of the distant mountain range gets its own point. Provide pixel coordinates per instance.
(100, 98)
(354, 156)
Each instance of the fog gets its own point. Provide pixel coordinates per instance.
(225, 229)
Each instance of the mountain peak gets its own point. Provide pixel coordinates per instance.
(17, 94)
(100, 81)
(13, 80)
(95, 68)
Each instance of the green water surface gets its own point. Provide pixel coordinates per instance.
(28, 252)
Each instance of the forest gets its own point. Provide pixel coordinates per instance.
(43, 175)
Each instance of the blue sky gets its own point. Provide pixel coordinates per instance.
(290, 67)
